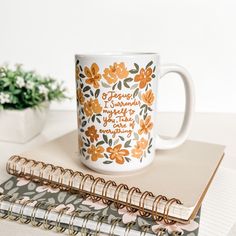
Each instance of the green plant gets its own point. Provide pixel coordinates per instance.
(20, 89)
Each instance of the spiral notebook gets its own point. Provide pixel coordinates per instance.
(49, 208)
(171, 188)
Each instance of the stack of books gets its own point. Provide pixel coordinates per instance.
(50, 188)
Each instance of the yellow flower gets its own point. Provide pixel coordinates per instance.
(143, 77)
(77, 71)
(139, 148)
(91, 132)
(96, 106)
(80, 96)
(95, 152)
(115, 72)
(92, 106)
(145, 125)
(93, 75)
(148, 97)
(117, 154)
(88, 107)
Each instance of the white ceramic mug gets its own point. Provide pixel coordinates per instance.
(117, 110)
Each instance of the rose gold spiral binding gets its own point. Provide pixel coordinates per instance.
(46, 214)
(128, 228)
(13, 168)
(93, 188)
(144, 229)
(9, 214)
(71, 180)
(105, 189)
(167, 208)
(155, 204)
(58, 220)
(3, 197)
(114, 222)
(21, 213)
(82, 182)
(33, 214)
(129, 198)
(99, 224)
(143, 197)
(71, 230)
(84, 224)
(117, 203)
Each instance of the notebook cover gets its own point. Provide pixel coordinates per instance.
(184, 173)
(23, 189)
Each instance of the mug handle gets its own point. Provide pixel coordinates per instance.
(164, 143)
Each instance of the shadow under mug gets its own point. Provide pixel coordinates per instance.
(117, 110)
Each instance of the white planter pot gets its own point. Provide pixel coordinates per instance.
(22, 125)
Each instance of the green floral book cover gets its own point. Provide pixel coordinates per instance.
(25, 190)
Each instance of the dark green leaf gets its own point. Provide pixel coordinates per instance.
(127, 159)
(81, 75)
(91, 92)
(114, 86)
(154, 69)
(127, 144)
(105, 138)
(84, 123)
(133, 71)
(100, 143)
(93, 118)
(149, 64)
(107, 162)
(135, 92)
(86, 88)
(119, 85)
(97, 93)
(136, 66)
(110, 142)
(121, 138)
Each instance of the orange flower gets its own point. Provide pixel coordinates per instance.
(80, 96)
(145, 125)
(143, 77)
(96, 106)
(117, 153)
(136, 152)
(92, 106)
(81, 143)
(93, 75)
(115, 72)
(77, 71)
(88, 107)
(91, 132)
(148, 97)
(96, 152)
(139, 148)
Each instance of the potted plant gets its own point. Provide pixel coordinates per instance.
(24, 102)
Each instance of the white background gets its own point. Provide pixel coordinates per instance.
(200, 35)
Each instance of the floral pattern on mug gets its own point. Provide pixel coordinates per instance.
(125, 135)
(115, 72)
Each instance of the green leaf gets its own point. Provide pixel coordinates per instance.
(110, 142)
(149, 64)
(107, 162)
(133, 71)
(121, 138)
(127, 144)
(135, 92)
(105, 85)
(100, 143)
(136, 66)
(86, 88)
(154, 69)
(136, 136)
(81, 75)
(119, 85)
(127, 159)
(97, 92)
(84, 123)
(114, 86)
(105, 138)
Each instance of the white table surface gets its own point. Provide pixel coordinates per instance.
(216, 218)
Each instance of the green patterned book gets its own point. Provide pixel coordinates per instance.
(50, 208)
